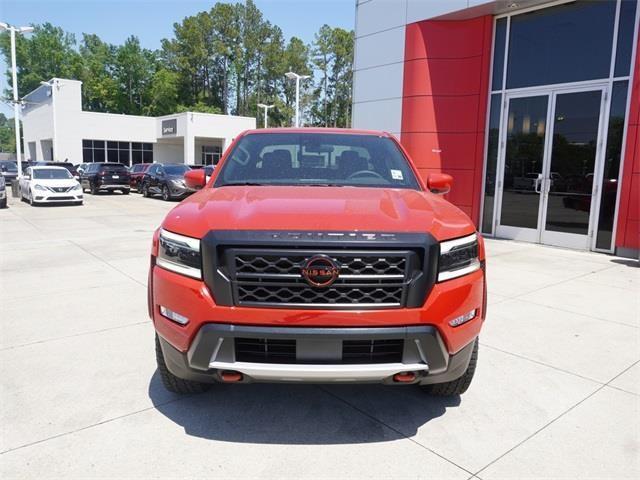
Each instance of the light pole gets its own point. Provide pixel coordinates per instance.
(266, 111)
(297, 78)
(14, 81)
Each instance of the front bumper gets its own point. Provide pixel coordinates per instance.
(57, 197)
(213, 351)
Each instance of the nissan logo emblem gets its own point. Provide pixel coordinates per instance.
(320, 271)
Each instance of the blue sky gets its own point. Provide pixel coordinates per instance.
(151, 21)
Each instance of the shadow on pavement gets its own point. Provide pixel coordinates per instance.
(301, 414)
(626, 262)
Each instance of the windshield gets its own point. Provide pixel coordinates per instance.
(176, 169)
(8, 166)
(317, 159)
(51, 174)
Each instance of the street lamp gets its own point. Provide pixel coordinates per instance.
(266, 110)
(14, 81)
(297, 78)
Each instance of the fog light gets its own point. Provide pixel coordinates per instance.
(463, 318)
(171, 315)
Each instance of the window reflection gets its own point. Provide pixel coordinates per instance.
(566, 43)
(523, 161)
(609, 186)
(573, 156)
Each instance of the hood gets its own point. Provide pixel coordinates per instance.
(63, 182)
(317, 209)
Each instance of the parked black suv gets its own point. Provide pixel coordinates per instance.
(105, 176)
(167, 180)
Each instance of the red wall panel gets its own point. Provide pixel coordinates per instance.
(444, 107)
(443, 76)
(628, 225)
(441, 150)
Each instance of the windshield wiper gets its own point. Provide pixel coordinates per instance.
(241, 184)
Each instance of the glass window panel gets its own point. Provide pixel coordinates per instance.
(136, 146)
(492, 160)
(147, 146)
(566, 43)
(98, 144)
(573, 158)
(98, 154)
(526, 130)
(112, 155)
(87, 155)
(609, 186)
(86, 144)
(112, 144)
(147, 157)
(124, 157)
(498, 54)
(136, 157)
(123, 145)
(625, 37)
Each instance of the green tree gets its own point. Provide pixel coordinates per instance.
(46, 53)
(7, 134)
(163, 93)
(132, 72)
(99, 87)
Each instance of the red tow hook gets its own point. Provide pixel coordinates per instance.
(404, 377)
(230, 376)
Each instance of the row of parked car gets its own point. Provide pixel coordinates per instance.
(63, 182)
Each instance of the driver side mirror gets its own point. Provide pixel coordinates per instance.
(195, 179)
(439, 183)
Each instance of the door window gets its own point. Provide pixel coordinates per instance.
(526, 123)
(573, 157)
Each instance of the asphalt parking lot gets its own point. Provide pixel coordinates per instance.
(556, 394)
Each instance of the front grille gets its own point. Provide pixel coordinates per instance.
(372, 351)
(367, 279)
(61, 198)
(60, 189)
(265, 350)
(276, 350)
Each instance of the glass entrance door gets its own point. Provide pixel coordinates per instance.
(569, 175)
(549, 163)
(524, 147)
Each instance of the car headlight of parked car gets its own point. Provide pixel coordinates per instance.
(39, 187)
(77, 187)
(458, 257)
(179, 254)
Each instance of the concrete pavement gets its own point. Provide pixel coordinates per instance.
(555, 395)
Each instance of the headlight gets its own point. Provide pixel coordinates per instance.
(458, 257)
(179, 254)
(39, 187)
(77, 187)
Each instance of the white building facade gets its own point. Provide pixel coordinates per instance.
(55, 128)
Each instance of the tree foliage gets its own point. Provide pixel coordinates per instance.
(225, 60)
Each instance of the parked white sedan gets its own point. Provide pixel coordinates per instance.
(48, 184)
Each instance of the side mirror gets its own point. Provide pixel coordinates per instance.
(439, 183)
(195, 179)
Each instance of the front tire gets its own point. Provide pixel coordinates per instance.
(166, 196)
(145, 190)
(173, 383)
(458, 386)
(93, 189)
(3, 203)
(125, 191)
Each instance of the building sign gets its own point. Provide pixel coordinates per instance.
(169, 127)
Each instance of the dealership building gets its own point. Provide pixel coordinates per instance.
(532, 106)
(56, 128)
